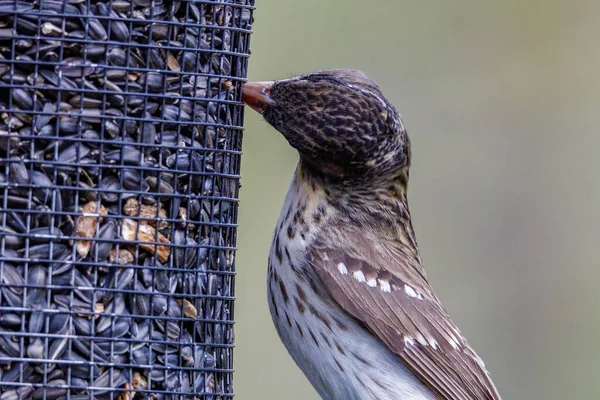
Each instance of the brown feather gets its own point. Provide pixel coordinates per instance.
(408, 318)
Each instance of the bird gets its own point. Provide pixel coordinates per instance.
(347, 291)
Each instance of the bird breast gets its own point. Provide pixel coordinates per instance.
(341, 359)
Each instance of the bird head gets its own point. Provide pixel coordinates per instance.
(338, 120)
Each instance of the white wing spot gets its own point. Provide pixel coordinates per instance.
(434, 344)
(409, 340)
(359, 276)
(342, 268)
(410, 291)
(421, 339)
(385, 286)
(372, 282)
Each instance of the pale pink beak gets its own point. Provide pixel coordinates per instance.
(257, 95)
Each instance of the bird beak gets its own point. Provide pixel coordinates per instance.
(257, 95)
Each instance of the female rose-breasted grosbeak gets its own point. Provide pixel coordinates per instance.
(346, 287)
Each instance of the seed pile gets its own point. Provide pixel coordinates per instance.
(119, 158)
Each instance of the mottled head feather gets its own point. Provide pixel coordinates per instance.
(341, 124)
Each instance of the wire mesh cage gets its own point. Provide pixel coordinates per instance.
(120, 143)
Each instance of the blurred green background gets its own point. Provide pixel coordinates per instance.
(502, 103)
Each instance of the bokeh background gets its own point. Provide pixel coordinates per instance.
(502, 103)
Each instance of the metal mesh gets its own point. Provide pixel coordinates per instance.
(120, 140)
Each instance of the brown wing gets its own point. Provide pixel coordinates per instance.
(379, 285)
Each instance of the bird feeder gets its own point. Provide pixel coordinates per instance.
(120, 143)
